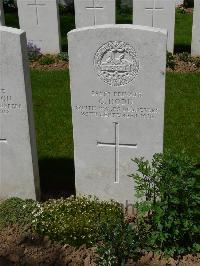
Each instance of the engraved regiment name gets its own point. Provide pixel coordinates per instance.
(7, 104)
(116, 104)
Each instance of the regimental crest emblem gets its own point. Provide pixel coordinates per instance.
(116, 63)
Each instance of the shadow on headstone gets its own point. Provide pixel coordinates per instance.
(57, 178)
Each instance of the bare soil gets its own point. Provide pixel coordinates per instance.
(19, 247)
(182, 66)
(58, 65)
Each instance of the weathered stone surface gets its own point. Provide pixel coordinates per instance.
(156, 13)
(18, 158)
(195, 47)
(2, 19)
(40, 20)
(94, 12)
(118, 90)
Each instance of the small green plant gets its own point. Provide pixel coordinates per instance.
(75, 221)
(181, 10)
(63, 56)
(169, 198)
(16, 211)
(118, 243)
(185, 56)
(170, 60)
(47, 59)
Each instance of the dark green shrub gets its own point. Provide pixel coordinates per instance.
(119, 243)
(168, 189)
(185, 56)
(9, 6)
(188, 3)
(16, 211)
(170, 60)
(63, 56)
(47, 59)
(75, 221)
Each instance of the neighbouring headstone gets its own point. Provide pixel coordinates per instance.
(94, 12)
(18, 158)
(195, 47)
(40, 20)
(118, 91)
(156, 13)
(2, 19)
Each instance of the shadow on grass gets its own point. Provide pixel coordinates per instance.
(180, 48)
(57, 178)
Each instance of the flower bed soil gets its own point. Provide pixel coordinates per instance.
(27, 248)
(180, 66)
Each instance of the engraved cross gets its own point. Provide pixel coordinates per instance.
(37, 5)
(117, 145)
(94, 8)
(2, 140)
(153, 10)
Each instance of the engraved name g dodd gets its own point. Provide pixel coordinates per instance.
(116, 63)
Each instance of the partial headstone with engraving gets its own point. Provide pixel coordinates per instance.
(195, 47)
(156, 13)
(118, 91)
(2, 19)
(94, 12)
(40, 20)
(18, 158)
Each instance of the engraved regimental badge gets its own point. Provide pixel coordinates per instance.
(116, 63)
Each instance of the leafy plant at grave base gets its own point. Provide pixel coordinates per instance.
(170, 60)
(168, 210)
(63, 56)
(119, 242)
(9, 5)
(188, 3)
(196, 61)
(75, 221)
(16, 211)
(68, 8)
(186, 57)
(47, 59)
(34, 52)
(181, 10)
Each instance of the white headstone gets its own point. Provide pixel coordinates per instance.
(156, 13)
(40, 20)
(118, 90)
(94, 12)
(18, 159)
(195, 47)
(2, 19)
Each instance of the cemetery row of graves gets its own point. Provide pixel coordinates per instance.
(94, 120)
